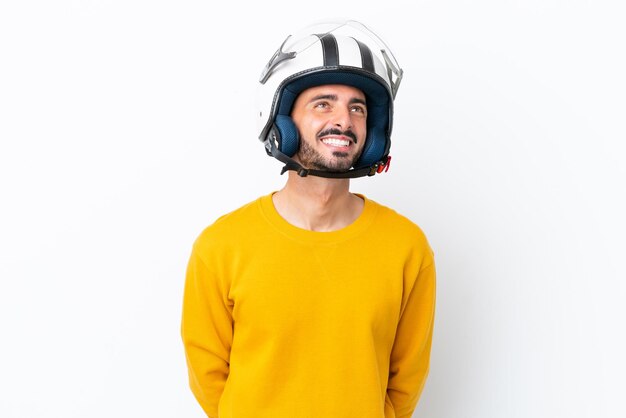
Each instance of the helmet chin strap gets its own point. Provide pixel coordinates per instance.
(293, 165)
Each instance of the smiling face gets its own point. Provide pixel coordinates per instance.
(332, 123)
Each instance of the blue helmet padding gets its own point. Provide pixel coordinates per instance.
(378, 101)
(288, 135)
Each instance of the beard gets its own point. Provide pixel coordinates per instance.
(310, 158)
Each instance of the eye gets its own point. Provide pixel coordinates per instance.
(321, 105)
(358, 109)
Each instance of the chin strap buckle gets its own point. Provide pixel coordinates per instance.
(383, 166)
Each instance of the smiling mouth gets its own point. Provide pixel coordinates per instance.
(336, 142)
(337, 138)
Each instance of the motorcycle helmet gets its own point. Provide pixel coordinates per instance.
(329, 52)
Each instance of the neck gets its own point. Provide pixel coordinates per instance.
(317, 204)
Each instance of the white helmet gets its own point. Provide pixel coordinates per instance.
(331, 52)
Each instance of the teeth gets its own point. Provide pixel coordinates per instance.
(336, 142)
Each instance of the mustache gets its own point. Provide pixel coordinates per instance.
(335, 131)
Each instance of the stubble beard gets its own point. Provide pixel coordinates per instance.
(310, 158)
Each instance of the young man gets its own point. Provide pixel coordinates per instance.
(314, 301)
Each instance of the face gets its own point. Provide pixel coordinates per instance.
(331, 121)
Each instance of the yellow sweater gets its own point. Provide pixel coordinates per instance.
(281, 322)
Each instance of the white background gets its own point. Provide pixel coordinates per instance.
(128, 126)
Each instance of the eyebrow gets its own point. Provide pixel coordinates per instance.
(333, 97)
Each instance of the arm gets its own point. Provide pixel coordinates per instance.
(410, 356)
(207, 331)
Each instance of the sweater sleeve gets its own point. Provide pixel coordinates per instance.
(410, 356)
(207, 332)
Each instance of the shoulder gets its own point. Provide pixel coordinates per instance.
(390, 217)
(229, 226)
(399, 230)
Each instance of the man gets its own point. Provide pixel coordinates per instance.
(313, 301)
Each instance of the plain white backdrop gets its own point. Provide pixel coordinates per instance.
(128, 126)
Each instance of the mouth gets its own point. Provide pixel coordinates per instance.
(337, 142)
(336, 138)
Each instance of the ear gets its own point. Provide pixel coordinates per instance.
(288, 138)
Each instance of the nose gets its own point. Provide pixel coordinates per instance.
(342, 118)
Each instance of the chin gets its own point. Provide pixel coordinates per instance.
(332, 167)
(338, 161)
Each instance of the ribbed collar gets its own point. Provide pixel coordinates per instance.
(356, 228)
